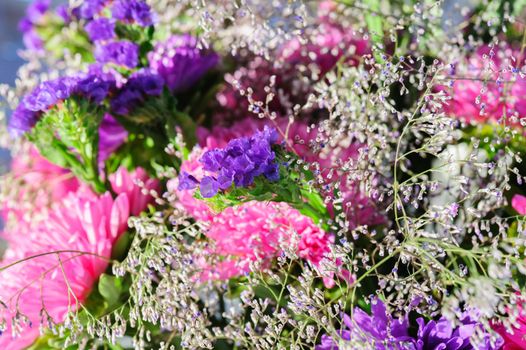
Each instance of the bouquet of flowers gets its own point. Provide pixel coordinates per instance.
(256, 174)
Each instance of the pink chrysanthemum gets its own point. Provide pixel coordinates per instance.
(63, 256)
(36, 184)
(518, 202)
(255, 231)
(250, 232)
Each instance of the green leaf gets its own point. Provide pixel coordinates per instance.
(110, 287)
(375, 24)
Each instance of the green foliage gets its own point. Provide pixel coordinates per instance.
(111, 288)
(294, 187)
(68, 136)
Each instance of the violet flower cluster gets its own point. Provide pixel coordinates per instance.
(239, 163)
(95, 86)
(180, 62)
(384, 332)
(102, 30)
(139, 86)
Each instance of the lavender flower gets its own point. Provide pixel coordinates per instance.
(132, 11)
(101, 29)
(240, 162)
(123, 53)
(441, 335)
(378, 329)
(180, 63)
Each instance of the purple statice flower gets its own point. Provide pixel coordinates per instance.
(21, 121)
(141, 84)
(378, 329)
(111, 136)
(180, 62)
(101, 29)
(146, 81)
(239, 163)
(89, 8)
(62, 11)
(123, 53)
(441, 335)
(36, 10)
(187, 182)
(95, 85)
(27, 25)
(133, 11)
(49, 93)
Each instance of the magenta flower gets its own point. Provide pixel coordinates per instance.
(518, 202)
(74, 243)
(486, 87)
(514, 339)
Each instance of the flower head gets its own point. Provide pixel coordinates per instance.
(141, 84)
(122, 53)
(27, 25)
(180, 62)
(134, 11)
(239, 163)
(378, 329)
(518, 202)
(101, 29)
(74, 245)
(442, 334)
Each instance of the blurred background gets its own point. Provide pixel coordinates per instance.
(11, 11)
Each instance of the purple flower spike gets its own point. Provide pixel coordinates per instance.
(180, 63)
(27, 25)
(48, 94)
(239, 163)
(101, 29)
(123, 53)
